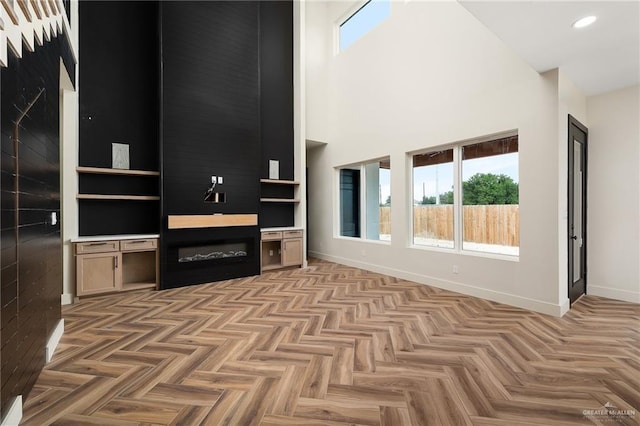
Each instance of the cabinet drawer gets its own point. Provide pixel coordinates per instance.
(292, 234)
(97, 247)
(266, 236)
(137, 245)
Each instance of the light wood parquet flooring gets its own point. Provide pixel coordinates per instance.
(334, 345)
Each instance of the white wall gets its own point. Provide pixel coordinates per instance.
(69, 122)
(613, 213)
(299, 118)
(69, 189)
(317, 52)
(429, 75)
(570, 101)
(372, 200)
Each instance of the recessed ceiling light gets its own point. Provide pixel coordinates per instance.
(584, 22)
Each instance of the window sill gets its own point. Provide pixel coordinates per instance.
(434, 248)
(495, 256)
(363, 240)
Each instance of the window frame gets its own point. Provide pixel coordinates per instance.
(346, 16)
(361, 166)
(458, 213)
(410, 161)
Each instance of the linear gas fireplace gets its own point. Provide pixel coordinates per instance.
(215, 250)
(195, 256)
(188, 255)
(199, 249)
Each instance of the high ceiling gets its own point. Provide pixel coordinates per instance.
(599, 58)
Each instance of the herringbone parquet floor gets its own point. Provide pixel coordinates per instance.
(334, 345)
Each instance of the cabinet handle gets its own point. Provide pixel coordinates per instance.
(97, 244)
(137, 242)
(116, 261)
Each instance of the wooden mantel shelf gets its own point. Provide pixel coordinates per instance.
(123, 172)
(211, 220)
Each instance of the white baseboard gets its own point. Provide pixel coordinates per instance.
(565, 306)
(613, 293)
(13, 415)
(53, 341)
(495, 296)
(66, 299)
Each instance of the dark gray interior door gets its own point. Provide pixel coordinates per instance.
(577, 209)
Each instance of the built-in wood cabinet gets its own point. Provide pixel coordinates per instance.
(98, 273)
(281, 248)
(114, 264)
(291, 251)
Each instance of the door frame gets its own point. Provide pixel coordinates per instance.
(572, 121)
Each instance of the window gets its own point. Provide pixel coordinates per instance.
(350, 202)
(433, 198)
(479, 211)
(490, 211)
(362, 21)
(378, 200)
(365, 200)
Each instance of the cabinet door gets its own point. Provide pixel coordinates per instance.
(98, 273)
(292, 252)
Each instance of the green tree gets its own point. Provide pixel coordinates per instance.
(488, 188)
(446, 197)
(428, 200)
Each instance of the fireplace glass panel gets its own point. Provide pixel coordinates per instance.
(222, 250)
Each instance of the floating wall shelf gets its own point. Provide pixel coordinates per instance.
(292, 183)
(279, 200)
(280, 182)
(117, 197)
(117, 172)
(122, 172)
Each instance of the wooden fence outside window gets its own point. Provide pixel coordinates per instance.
(491, 224)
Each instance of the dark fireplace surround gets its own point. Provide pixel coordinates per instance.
(232, 252)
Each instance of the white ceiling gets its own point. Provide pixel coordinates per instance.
(602, 57)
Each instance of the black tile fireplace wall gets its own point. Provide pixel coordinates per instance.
(210, 105)
(210, 127)
(227, 107)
